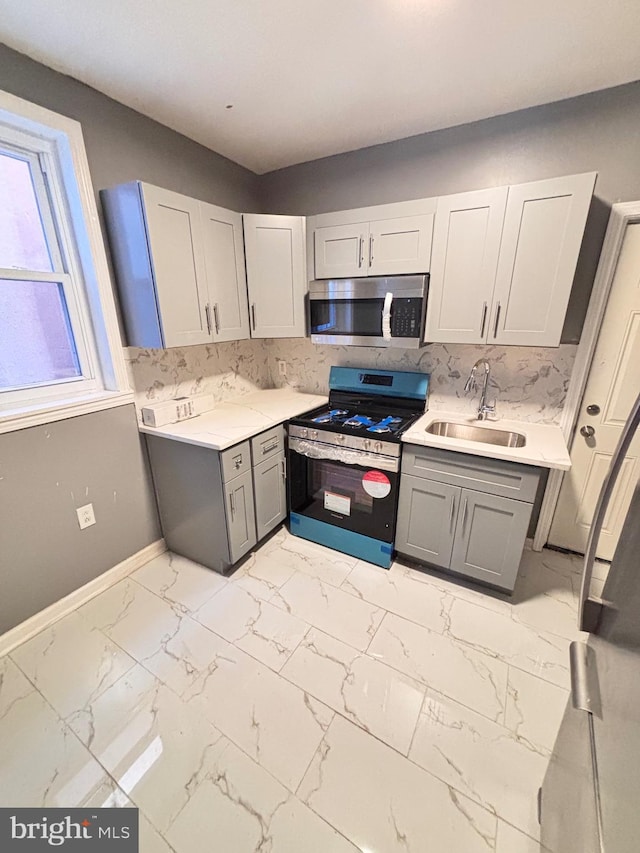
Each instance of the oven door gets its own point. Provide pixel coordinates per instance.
(351, 489)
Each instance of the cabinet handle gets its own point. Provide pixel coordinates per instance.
(464, 516)
(360, 252)
(370, 249)
(215, 317)
(283, 463)
(495, 328)
(484, 319)
(207, 313)
(453, 506)
(232, 504)
(253, 315)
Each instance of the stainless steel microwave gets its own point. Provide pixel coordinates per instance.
(386, 311)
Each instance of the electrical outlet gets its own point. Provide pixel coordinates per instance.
(282, 367)
(86, 516)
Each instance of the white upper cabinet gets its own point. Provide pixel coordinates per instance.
(464, 260)
(224, 262)
(276, 275)
(503, 262)
(388, 239)
(543, 228)
(177, 258)
(179, 266)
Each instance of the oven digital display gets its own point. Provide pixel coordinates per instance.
(375, 379)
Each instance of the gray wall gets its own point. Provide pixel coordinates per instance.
(45, 472)
(598, 132)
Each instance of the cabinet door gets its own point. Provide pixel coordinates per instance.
(490, 535)
(226, 279)
(276, 275)
(401, 245)
(341, 250)
(270, 494)
(543, 228)
(177, 256)
(464, 259)
(426, 519)
(241, 517)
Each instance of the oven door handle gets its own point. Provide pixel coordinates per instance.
(386, 316)
(317, 450)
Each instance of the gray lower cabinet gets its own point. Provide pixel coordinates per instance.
(419, 500)
(467, 514)
(269, 488)
(214, 506)
(241, 515)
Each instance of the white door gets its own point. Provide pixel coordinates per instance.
(401, 245)
(543, 228)
(341, 250)
(276, 280)
(612, 386)
(226, 279)
(464, 259)
(177, 256)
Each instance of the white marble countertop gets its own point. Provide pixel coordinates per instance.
(545, 445)
(236, 420)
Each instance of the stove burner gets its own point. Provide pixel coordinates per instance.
(359, 421)
(385, 425)
(328, 417)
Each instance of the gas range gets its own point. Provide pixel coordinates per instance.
(344, 460)
(368, 410)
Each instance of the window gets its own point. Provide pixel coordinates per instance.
(60, 352)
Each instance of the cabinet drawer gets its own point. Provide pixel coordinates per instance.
(235, 461)
(495, 476)
(267, 444)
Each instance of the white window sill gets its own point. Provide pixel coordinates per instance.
(47, 412)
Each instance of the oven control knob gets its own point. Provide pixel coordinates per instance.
(313, 434)
(378, 447)
(304, 432)
(366, 444)
(340, 438)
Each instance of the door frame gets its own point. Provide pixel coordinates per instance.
(622, 214)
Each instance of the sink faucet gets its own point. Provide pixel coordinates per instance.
(484, 409)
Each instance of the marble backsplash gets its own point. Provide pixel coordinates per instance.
(530, 383)
(225, 370)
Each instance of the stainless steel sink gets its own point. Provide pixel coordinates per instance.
(484, 435)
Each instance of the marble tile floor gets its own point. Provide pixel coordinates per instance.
(309, 702)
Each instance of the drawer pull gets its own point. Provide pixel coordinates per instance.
(269, 448)
(237, 461)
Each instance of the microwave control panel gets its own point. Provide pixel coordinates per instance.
(406, 317)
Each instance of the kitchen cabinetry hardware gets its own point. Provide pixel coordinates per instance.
(253, 316)
(360, 252)
(216, 319)
(451, 512)
(484, 318)
(495, 328)
(207, 311)
(464, 516)
(370, 249)
(232, 504)
(587, 431)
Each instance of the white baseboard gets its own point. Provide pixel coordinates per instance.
(36, 623)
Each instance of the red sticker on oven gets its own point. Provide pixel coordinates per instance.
(376, 484)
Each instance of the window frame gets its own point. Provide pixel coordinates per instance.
(57, 143)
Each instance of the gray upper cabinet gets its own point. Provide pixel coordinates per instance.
(179, 266)
(504, 260)
(276, 275)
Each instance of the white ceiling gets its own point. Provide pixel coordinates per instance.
(310, 78)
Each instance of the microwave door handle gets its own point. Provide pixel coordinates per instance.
(590, 609)
(386, 316)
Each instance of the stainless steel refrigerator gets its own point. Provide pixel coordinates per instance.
(590, 797)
